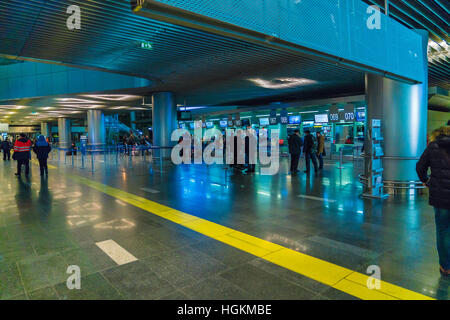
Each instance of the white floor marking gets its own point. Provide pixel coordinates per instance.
(116, 252)
(149, 190)
(316, 198)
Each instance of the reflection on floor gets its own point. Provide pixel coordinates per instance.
(47, 225)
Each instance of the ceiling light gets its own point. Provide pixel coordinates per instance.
(112, 97)
(282, 83)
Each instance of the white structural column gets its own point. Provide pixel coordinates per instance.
(402, 109)
(64, 132)
(45, 129)
(164, 118)
(96, 129)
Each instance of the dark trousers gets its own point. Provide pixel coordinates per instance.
(25, 162)
(310, 156)
(320, 157)
(6, 154)
(43, 166)
(442, 218)
(295, 158)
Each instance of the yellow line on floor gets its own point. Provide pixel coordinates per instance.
(338, 277)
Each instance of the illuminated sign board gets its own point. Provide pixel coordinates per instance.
(4, 127)
(361, 116)
(349, 113)
(333, 114)
(284, 117)
(146, 45)
(273, 120)
(321, 118)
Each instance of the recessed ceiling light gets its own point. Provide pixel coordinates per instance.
(112, 97)
(282, 83)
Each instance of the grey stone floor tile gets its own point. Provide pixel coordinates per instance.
(264, 285)
(93, 287)
(216, 288)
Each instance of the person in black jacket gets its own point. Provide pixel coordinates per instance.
(295, 149)
(42, 149)
(309, 150)
(437, 157)
(6, 147)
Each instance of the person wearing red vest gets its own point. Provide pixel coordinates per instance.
(22, 153)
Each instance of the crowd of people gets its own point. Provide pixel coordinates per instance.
(22, 146)
(129, 142)
(313, 148)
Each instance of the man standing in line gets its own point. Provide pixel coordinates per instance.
(309, 150)
(22, 148)
(320, 148)
(295, 149)
(6, 147)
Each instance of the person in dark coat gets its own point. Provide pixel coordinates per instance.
(42, 149)
(437, 157)
(22, 149)
(249, 149)
(309, 150)
(6, 147)
(295, 144)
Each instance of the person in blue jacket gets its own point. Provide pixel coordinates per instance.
(42, 149)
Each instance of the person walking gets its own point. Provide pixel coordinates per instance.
(42, 149)
(295, 144)
(309, 148)
(6, 147)
(437, 157)
(320, 148)
(22, 155)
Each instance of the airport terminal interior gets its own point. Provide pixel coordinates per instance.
(171, 130)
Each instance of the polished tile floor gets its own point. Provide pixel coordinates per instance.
(47, 225)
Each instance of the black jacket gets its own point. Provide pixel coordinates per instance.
(295, 144)
(6, 146)
(309, 144)
(42, 151)
(437, 157)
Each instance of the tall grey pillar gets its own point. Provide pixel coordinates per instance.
(164, 116)
(64, 132)
(402, 109)
(132, 119)
(96, 129)
(45, 129)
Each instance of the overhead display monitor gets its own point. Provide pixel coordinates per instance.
(182, 125)
(295, 119)
(321, 118)
(245, 122)
(263, 121)
(361, 116)
(185, 115)
(209, 124)
(238, 122)
(192, 125)
(223, 123)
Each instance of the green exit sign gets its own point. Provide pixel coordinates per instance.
(146, 45)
